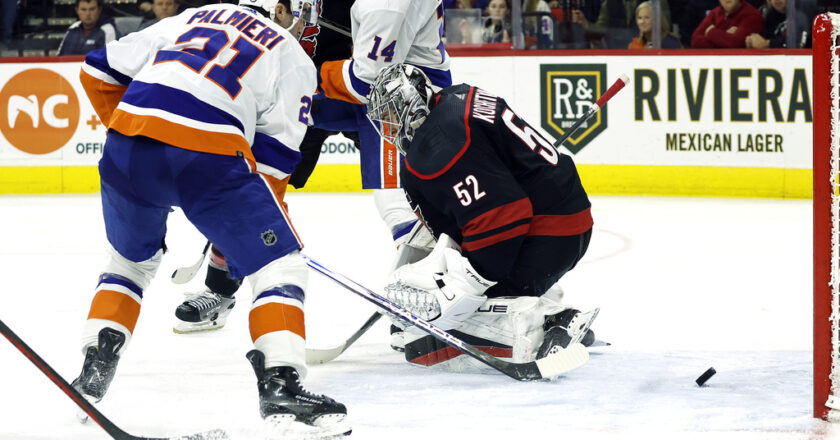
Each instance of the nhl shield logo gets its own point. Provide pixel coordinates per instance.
(567, 92)
(269, 238)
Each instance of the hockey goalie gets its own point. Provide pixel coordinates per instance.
(508, 214)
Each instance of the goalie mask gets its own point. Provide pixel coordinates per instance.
(399, 103)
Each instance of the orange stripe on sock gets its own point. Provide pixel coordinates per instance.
(115, 306)
(276, 317)
(102, 95)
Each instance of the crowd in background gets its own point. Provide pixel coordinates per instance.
(574, 24)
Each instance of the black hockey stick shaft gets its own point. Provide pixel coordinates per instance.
(559, 362)
(113, 430)
(615, 88)
(334, 26)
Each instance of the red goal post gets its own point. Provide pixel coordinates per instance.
(826, 71)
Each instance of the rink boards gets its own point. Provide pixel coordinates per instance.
(697, 123)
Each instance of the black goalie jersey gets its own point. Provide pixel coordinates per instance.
(480, 174)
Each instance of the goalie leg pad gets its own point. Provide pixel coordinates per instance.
(506, 327)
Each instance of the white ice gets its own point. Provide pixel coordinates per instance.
(684, 284)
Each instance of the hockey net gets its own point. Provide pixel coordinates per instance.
(826, 68)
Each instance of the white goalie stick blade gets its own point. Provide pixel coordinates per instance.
(185, 274)
(550, 366)
(315, 356)
(565, 360)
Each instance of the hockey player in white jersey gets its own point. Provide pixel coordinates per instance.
(205, 111)
(383, 33)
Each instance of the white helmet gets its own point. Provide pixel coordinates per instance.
(399, 103)
(264, 7)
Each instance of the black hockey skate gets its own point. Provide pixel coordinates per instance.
(205, 310)
(99, 367)
(561, 329)
(289, 410)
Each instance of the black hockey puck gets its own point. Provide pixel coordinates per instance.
(705, 376)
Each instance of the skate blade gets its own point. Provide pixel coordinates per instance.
(81, 415)
(191, 327)
(285, 426)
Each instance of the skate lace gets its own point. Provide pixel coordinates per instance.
(203, 300)
(419, 302)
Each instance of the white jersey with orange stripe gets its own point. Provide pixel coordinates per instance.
(386, 32)
(219, 79)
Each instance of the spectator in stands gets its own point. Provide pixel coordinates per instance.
(775, 27)
(728, 25)
(686, 16)
(93, 30)
(160, 9)
(497, 28)
(616, 21)
(644, 21)
(7, 20)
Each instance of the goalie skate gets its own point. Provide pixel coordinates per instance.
(203, 311)
(292, 412)
(567, 328)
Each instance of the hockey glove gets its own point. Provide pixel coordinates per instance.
(442, 288)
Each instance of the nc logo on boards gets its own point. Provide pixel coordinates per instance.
(567, 91)
(39, 111)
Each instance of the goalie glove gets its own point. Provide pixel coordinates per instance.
(442, 288)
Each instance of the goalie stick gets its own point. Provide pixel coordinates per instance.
(113, 430)
(550, 366)
(615, 88)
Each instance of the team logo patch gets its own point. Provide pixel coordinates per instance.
(269, 238)
(567, 91)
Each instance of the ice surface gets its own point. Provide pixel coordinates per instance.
(683, 284)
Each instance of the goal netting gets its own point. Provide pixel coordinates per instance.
(826, 68)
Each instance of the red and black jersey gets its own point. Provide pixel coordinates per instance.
(482, 175)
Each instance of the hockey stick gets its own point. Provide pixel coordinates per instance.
(334, 26)
(113, 430)
(615, 88)
(316, 356)
(550, 366)
(184, 274)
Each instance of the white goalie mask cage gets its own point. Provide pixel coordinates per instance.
(399, 103)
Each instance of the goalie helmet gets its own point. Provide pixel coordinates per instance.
(399, 103)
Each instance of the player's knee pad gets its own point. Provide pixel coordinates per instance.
(291, 269)
(138, 272)
(395, 211)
